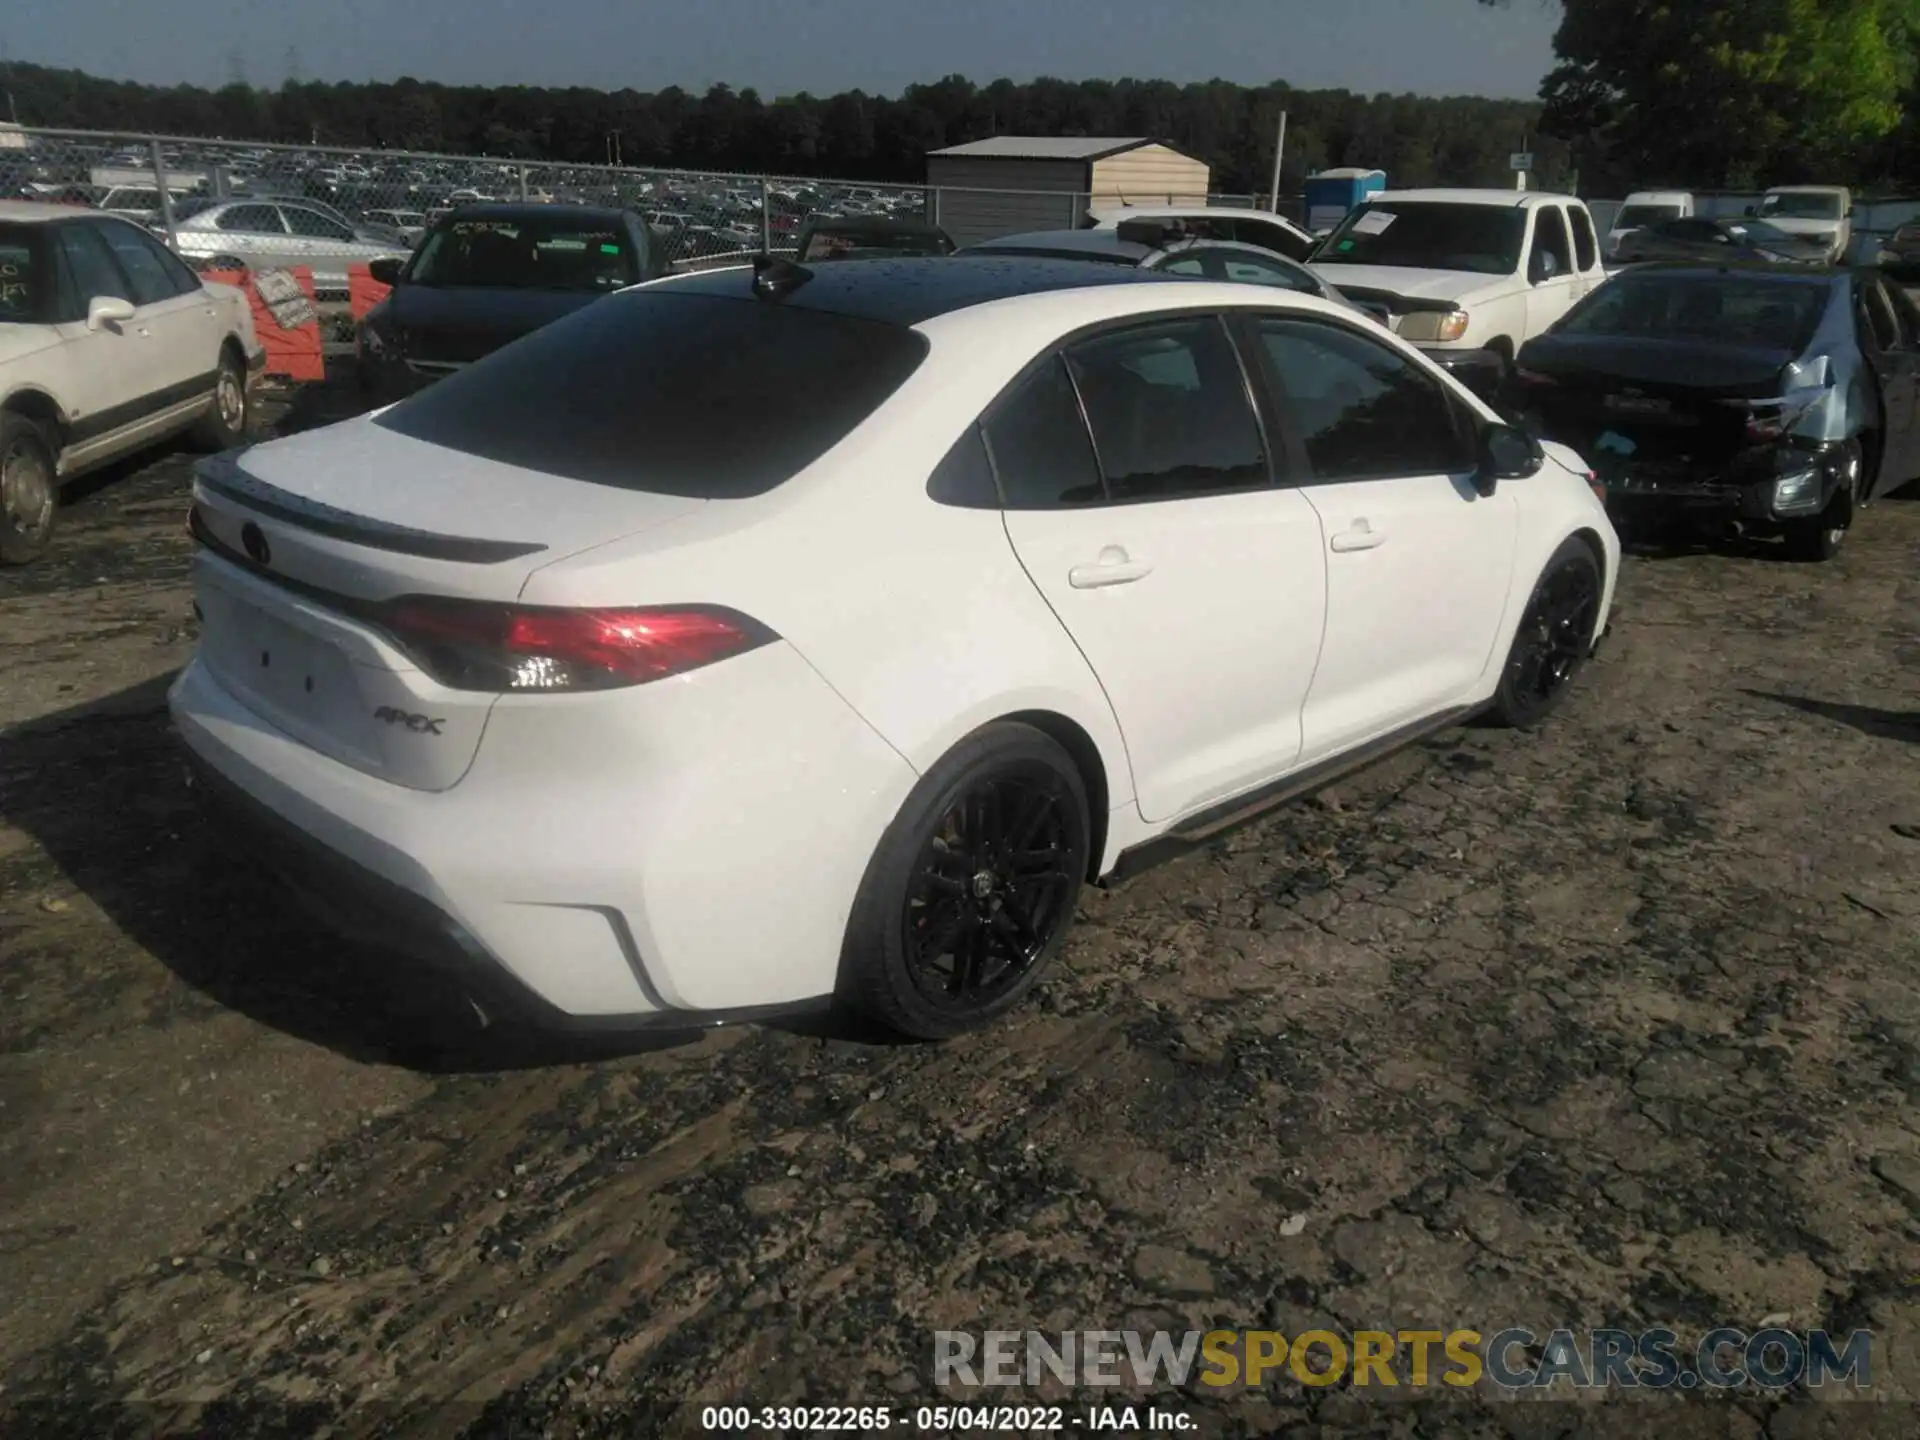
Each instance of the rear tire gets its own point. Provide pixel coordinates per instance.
(970, 894)
(225, 423)
(1554, 638)
(29, 489)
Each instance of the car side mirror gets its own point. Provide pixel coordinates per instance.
(386, 270)
(1753, 210)
(108, 310)
(1545, 267)
(1506, 453)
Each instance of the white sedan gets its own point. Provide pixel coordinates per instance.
(758, 637)
(107, 343)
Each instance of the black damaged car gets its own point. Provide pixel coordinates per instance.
(1765, 400)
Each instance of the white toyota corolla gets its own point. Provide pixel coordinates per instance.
(759, 637)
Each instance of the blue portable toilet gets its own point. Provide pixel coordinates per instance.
(1332, 193)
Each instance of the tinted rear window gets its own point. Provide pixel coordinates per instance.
(694, 395)
(1719, 309)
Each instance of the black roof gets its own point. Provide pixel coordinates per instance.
(536, 210)
(908, 290)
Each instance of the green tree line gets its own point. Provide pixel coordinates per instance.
(1417, 140)
(1737, 93)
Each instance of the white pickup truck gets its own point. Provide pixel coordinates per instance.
(1469, 276)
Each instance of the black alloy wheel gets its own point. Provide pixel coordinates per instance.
(1554, 638)
(972, 889)
(991, 888)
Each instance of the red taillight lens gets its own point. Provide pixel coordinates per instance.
(507, 648)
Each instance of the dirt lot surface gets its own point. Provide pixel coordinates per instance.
(1618, 1023)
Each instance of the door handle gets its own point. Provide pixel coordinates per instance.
(1362, 536)
(1114, 567)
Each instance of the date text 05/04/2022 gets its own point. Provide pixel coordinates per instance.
(941, 1419)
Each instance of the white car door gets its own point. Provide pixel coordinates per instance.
(1194, 586)
(176, 311)
(1418, 560)
(113, 374)
(1550, 271)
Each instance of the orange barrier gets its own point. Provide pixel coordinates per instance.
(286, 319)
(363, 291)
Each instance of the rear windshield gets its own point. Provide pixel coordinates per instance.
(1721, 309)
(1633, 216)
(543, 254)
(1429, 235)
(694, 395)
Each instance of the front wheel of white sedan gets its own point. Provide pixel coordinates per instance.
(969, 896)
(29, 489)
(1553, 640)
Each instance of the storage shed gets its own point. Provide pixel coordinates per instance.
(1012, 183)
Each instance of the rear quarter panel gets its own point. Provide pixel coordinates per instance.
(918, 614)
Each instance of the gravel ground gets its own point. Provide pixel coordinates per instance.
(1618, 1023)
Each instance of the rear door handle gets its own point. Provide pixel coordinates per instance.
(1362, 536)
(1114, 567)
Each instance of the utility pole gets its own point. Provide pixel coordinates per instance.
(1279, 152)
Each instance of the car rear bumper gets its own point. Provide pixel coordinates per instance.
(602, 865)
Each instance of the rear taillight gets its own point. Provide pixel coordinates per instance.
(467, 645)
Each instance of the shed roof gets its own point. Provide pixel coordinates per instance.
(1047, 147)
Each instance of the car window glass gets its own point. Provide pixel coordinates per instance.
(1169, 409)
(24, 287)
(1039, 443)
(1256, 270)
(1906, 311)
(1188, 264)
(184, 281)
(1585, 245)
(1273, 237)
(1550, 238)
(1362, 410)
(91, 265)
(254, 219)
(150, 279)
(314, 226)
(1886, 329)
(965, 476)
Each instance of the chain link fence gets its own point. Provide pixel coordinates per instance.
(267, 206)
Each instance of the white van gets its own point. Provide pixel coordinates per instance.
(1647, 207)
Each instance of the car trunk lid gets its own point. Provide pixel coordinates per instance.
(306, 545)
(1667, 400)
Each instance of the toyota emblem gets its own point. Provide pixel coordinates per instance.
(254, 541)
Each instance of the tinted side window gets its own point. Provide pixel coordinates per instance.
(1363, 411)
(1170, 412)
(1585, 248)
(1880, 316)
(255, 219)
(965, 476)
(151, 281)
(707, 396)
(92, 266)
(1041, 452)
(1550, 238)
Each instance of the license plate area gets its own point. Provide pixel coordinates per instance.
(298, 681)
(1638, 405)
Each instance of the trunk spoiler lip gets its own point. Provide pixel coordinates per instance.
(223, 475)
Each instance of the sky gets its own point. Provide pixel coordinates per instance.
(779, 47)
